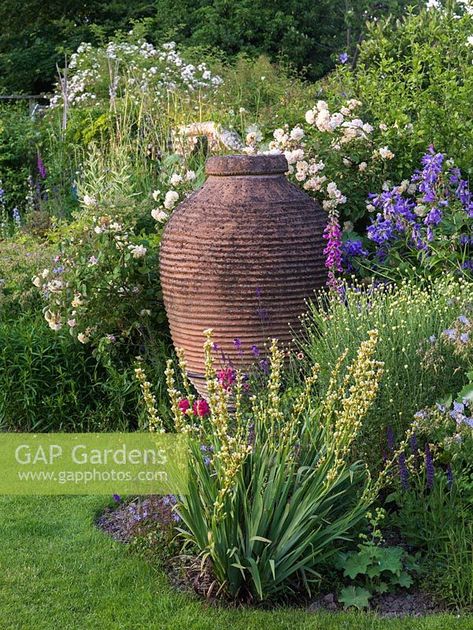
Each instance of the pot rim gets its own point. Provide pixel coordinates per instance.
(225, 165)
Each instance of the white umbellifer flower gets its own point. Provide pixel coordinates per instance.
(346, 162)
(89, 201)
(83, 338)
(45, 273)
(137, 251)
(386, 153)
(156, 194)
(176, 179)
(383, 126)
(190, 176)
(297, 133)
(159, 215)
(71, 323)
(37, 282)
(362, 166)
(170, 199)
(321, 105)
(310, 117)
(98, 229)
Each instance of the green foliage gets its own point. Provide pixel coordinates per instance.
(48, 383)
(406, 317)
(34, 38)
(415, 74)
(17, 153)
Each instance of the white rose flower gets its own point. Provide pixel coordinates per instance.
(385, 153)
(297, 133)
(71, 323)
(170, 199)
(45, 273)
(137, 251)
(83, 338)
(322, 122)
(362, 166)
(321, 105)
(37, 282)
(159, 215)
(310, 117)
(336, 120)
(367, 128)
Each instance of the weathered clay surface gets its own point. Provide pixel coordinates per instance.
(240, 256)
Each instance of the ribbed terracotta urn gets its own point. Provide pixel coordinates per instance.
(241, 255)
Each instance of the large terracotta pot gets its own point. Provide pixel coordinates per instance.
(241, 255)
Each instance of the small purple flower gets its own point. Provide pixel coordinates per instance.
(175, 517)
(343, 57)
(255, 350)
(464, 320)
(264, 365)
(237, 344)
(117, 498)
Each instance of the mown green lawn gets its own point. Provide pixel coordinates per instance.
(58, 571)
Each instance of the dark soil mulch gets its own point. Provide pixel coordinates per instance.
(401, 604)
(187, 573)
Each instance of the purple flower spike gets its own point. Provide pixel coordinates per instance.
(390, 438)
(41, 168)
(403, 472)
(429, 467)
